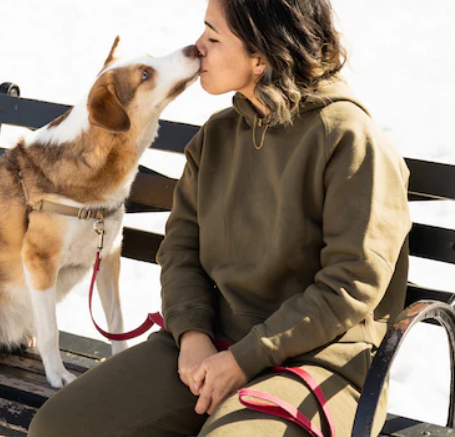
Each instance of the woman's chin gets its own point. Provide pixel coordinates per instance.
(213, 91)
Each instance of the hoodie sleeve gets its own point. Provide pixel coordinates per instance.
(186, 289)
(365, 222)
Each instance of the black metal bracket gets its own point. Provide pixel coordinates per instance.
(10, 89)
(444, 315)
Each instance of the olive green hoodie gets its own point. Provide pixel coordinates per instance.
(292, 247)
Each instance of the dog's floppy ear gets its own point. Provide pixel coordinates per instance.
(111, 57)
(104, 107)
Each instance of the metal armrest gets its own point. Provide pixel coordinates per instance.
(441, 312)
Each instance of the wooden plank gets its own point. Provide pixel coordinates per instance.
(397, 426)
(87, 347)
(140, 245)
(18, 387)
(34, 114)
(27, 112)
(22, 362)
(73, 362)
(32, 363)
(432, 179)
(26, 375)
(153, 190)
(415, 292)
(9, 431)
(174, 136)
(15, 415)
(431, 242)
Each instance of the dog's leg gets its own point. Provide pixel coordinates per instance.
(40, 270)
(108, 287)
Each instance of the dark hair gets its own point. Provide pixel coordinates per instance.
(300, 45)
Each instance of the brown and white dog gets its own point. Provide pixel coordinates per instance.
(85, 159)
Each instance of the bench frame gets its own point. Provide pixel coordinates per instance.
(23, 390)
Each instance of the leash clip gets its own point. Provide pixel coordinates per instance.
(98, 226)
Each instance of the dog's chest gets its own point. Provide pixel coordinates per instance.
(81, 241)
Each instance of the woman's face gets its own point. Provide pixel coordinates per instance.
(225, 64)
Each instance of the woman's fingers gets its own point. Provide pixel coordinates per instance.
(198, 376)
(203, 403)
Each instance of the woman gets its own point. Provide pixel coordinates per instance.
(287, 240)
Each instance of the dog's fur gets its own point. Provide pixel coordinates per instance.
(86, 158)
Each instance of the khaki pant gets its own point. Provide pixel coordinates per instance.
(138, 393)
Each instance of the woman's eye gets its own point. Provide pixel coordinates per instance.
(213, 40)
(145, 75)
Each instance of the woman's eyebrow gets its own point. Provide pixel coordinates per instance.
(211, 26)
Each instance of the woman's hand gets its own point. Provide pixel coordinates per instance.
(217, 377)
(195, 347)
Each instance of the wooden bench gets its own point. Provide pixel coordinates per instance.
(23, 387)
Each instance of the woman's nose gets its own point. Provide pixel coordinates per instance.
(200, 47)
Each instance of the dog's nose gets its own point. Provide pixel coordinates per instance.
(191, 52)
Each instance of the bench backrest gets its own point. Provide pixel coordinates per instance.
(153, 192)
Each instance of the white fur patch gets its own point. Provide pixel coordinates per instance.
(67, 131)
(43, 304)
(16, 319)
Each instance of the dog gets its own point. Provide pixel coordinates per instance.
(60, 180)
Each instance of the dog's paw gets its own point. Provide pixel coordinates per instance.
(59, 379)
(118, 346)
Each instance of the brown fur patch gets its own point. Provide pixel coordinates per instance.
(86, 171)
(41, 247)
(177, 89)
(191, 52)
(111, 56)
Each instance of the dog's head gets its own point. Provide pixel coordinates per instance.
(129, 92)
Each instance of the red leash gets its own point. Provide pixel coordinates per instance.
(267, 403)
(277, 407)
(152, 319)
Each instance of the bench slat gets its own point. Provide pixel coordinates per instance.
(415, 293)
(397, 426)
(35, 114)
(431, 179)
(140, 245)
(152, 190)
(431, 242)
(8, 431)
(85, 347)
(20, 386)
(15, 415)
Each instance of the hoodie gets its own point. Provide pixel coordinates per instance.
(285, 240)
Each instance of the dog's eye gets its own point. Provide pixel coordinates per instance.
(145, 75)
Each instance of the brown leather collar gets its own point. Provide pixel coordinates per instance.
(59, 208)
(71, 211)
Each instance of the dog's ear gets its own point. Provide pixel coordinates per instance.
(105, 108)
(111, 57)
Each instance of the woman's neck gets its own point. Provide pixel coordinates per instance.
(260, 108)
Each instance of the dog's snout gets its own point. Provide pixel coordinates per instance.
(191, 52)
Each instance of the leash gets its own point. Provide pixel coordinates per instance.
(275, 406)
(252, 399)
(152, 319)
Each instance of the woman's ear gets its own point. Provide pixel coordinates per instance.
(259, 65)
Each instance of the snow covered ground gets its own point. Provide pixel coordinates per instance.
(401, 66)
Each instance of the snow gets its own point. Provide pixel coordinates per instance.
(401, 66)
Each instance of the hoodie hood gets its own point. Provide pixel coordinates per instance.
(329, 91)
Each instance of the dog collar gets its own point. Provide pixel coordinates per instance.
(71, 211)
